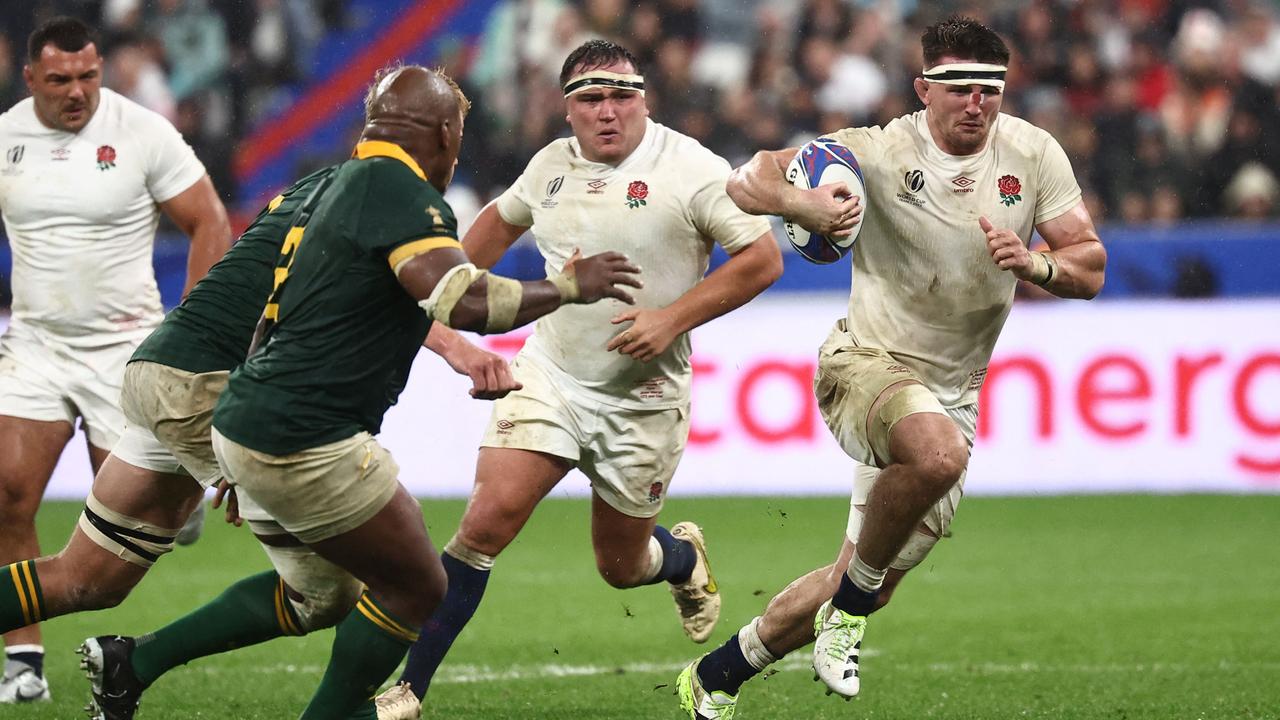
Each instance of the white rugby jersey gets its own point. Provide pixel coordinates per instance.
(924, 285)
(80, 210)
(663, 207)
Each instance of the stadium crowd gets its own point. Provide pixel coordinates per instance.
(1166, 107)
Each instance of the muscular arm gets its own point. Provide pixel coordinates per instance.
(747, 273)
(595, 278)
(490, 236)
(760, 188)
(1077, 251)
(199, 214)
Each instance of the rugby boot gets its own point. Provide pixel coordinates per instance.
(698, 598)
(836, 649)
(700, 704)
(398, 703)
(22, 684)
(194, 526)
(116, 690)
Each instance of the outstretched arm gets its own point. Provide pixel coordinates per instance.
(747, 273)
(453, 292)
(760, 188)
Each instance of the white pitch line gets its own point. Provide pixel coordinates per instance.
(799, 661)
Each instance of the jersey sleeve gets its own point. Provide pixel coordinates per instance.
(403, 216)
(1057, 190)
(172, 166)
(865, 142)
(713, 212)
(513, 204)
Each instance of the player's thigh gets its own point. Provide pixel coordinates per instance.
(159, 495)
(509, 485)
(319, 492)
(863, 393)
(173, 409)
(631, 457)
(29, 451)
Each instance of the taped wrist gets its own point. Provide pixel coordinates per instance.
(567, 284)
(1045, 268)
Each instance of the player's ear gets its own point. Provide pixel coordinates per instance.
(922, 90)
(28, 75)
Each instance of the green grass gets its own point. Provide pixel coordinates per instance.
(1098, 607)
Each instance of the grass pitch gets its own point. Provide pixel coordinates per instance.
(1094, 607)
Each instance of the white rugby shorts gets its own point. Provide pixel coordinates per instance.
(628, 455)
(41, 379)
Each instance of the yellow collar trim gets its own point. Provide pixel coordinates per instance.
(382, 148)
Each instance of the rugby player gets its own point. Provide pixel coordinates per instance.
(954, 192)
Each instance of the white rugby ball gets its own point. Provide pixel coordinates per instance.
(823, 162)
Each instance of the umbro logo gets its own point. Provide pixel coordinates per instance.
(963, 184)
(597, 187)
(504, 426)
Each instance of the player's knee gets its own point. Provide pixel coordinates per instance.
(320, 592)
(489, 534)
(19, 500)
(618, 573)
(941, 468)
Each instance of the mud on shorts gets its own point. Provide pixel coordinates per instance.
(628, 455)
(848, 381)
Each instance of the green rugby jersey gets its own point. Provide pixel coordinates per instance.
(345, 332)
(211, 329)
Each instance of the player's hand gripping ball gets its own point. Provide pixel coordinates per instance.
(823, 162)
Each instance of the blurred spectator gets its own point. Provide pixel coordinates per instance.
(1252, 193)
(12, 86)
(132, 71)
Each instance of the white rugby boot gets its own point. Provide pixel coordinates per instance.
(698, 598)
(398, 703)
(21, 684)
(193, 527)
(836, 649)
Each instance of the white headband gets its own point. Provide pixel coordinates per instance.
(967, 74)
(604, 78)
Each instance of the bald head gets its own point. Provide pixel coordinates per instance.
(421, 110)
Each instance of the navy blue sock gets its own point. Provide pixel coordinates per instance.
(725, 668)
(34, 660)
(678, 557)
(466, 588)
(853, 599)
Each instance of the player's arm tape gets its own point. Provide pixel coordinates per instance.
(502, 297)
(1046, 268)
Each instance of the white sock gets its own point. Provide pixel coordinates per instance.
(15, 649)
(867, 578)
(753, 648)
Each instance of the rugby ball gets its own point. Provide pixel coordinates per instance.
(823, 162)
